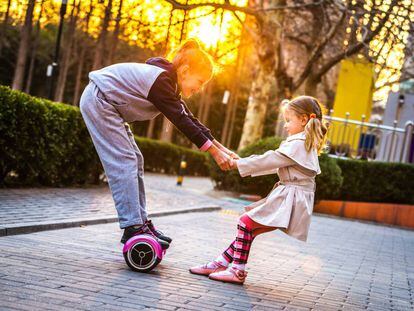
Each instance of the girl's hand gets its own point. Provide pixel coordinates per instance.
(222, 160)
(234, 156)
(233, 163)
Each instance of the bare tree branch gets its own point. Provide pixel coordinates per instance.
(247, 10)
(160, 25)
(250, 31)
(225, 53)
(299, 40)
(226, 6)
(292, 7)
(318, 50)
(356, 47)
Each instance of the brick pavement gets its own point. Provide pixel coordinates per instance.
(35, 209)
(345, 265)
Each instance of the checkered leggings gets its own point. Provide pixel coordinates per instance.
(247, 230)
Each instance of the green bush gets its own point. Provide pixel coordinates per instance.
(328, 183)
(163, 157)
(330, 180)
(376, 182)
(43, 142)
(46, 143)
(261, 146)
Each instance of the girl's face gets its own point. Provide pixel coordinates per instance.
(190, 82)
(294, 123)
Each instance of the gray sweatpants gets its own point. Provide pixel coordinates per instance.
(122, 160)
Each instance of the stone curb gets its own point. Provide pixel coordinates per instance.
(45, 226)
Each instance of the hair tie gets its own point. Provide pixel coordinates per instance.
(312, 116)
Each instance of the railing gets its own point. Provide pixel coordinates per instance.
(370, 141)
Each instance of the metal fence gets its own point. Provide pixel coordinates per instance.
(370, 141)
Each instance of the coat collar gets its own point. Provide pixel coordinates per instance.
(300, 135)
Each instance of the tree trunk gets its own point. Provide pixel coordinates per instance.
(311, 86)
(267, 47)
(78, 81)
(256, 107)
(183, 24)
(231, 109)
(207, 94)
(241, 64)
(165, 122)
(167, 129)
(67, 49)
(31, 65)
(34, 51)
(23, 48)
(234, 99)
(206, 103)
(229, 137)
(227, 117)
(114, 43)
(407, 70)
(311, 83)
(101, 46)
(4, 26)
(81, 63)
(150, 129)
(328, 91)
(167, 39)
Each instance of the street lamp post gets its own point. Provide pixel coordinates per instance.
(52, 68)
(227, 118)
(226, 97)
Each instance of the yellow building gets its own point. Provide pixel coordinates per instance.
(354, 96)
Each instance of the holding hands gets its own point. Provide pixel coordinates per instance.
(225, 158)
(233, 161)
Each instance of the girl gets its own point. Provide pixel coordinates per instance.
(129, 92)
(289, 205)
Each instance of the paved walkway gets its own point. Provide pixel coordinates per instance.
(345, 265)
(34, 209)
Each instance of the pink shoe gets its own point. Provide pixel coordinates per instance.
(230, 275)
(204, 270)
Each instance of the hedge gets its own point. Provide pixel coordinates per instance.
(163, 157)
(347, 180)
(376, 182)
(47, 143)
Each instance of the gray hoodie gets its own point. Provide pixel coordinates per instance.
(142, 91)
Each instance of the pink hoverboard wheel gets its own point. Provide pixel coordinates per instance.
(142, 253)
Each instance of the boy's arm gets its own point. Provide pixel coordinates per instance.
(162, 95)
(207, 132)
(265, 164)
(197, 122)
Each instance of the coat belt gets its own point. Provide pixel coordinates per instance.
(304, 184)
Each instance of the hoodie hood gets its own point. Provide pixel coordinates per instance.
(164, 64)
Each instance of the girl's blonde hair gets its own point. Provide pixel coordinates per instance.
(316, 128)
(190, 53)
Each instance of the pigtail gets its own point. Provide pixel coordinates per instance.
(315, 133)
(316, 128)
